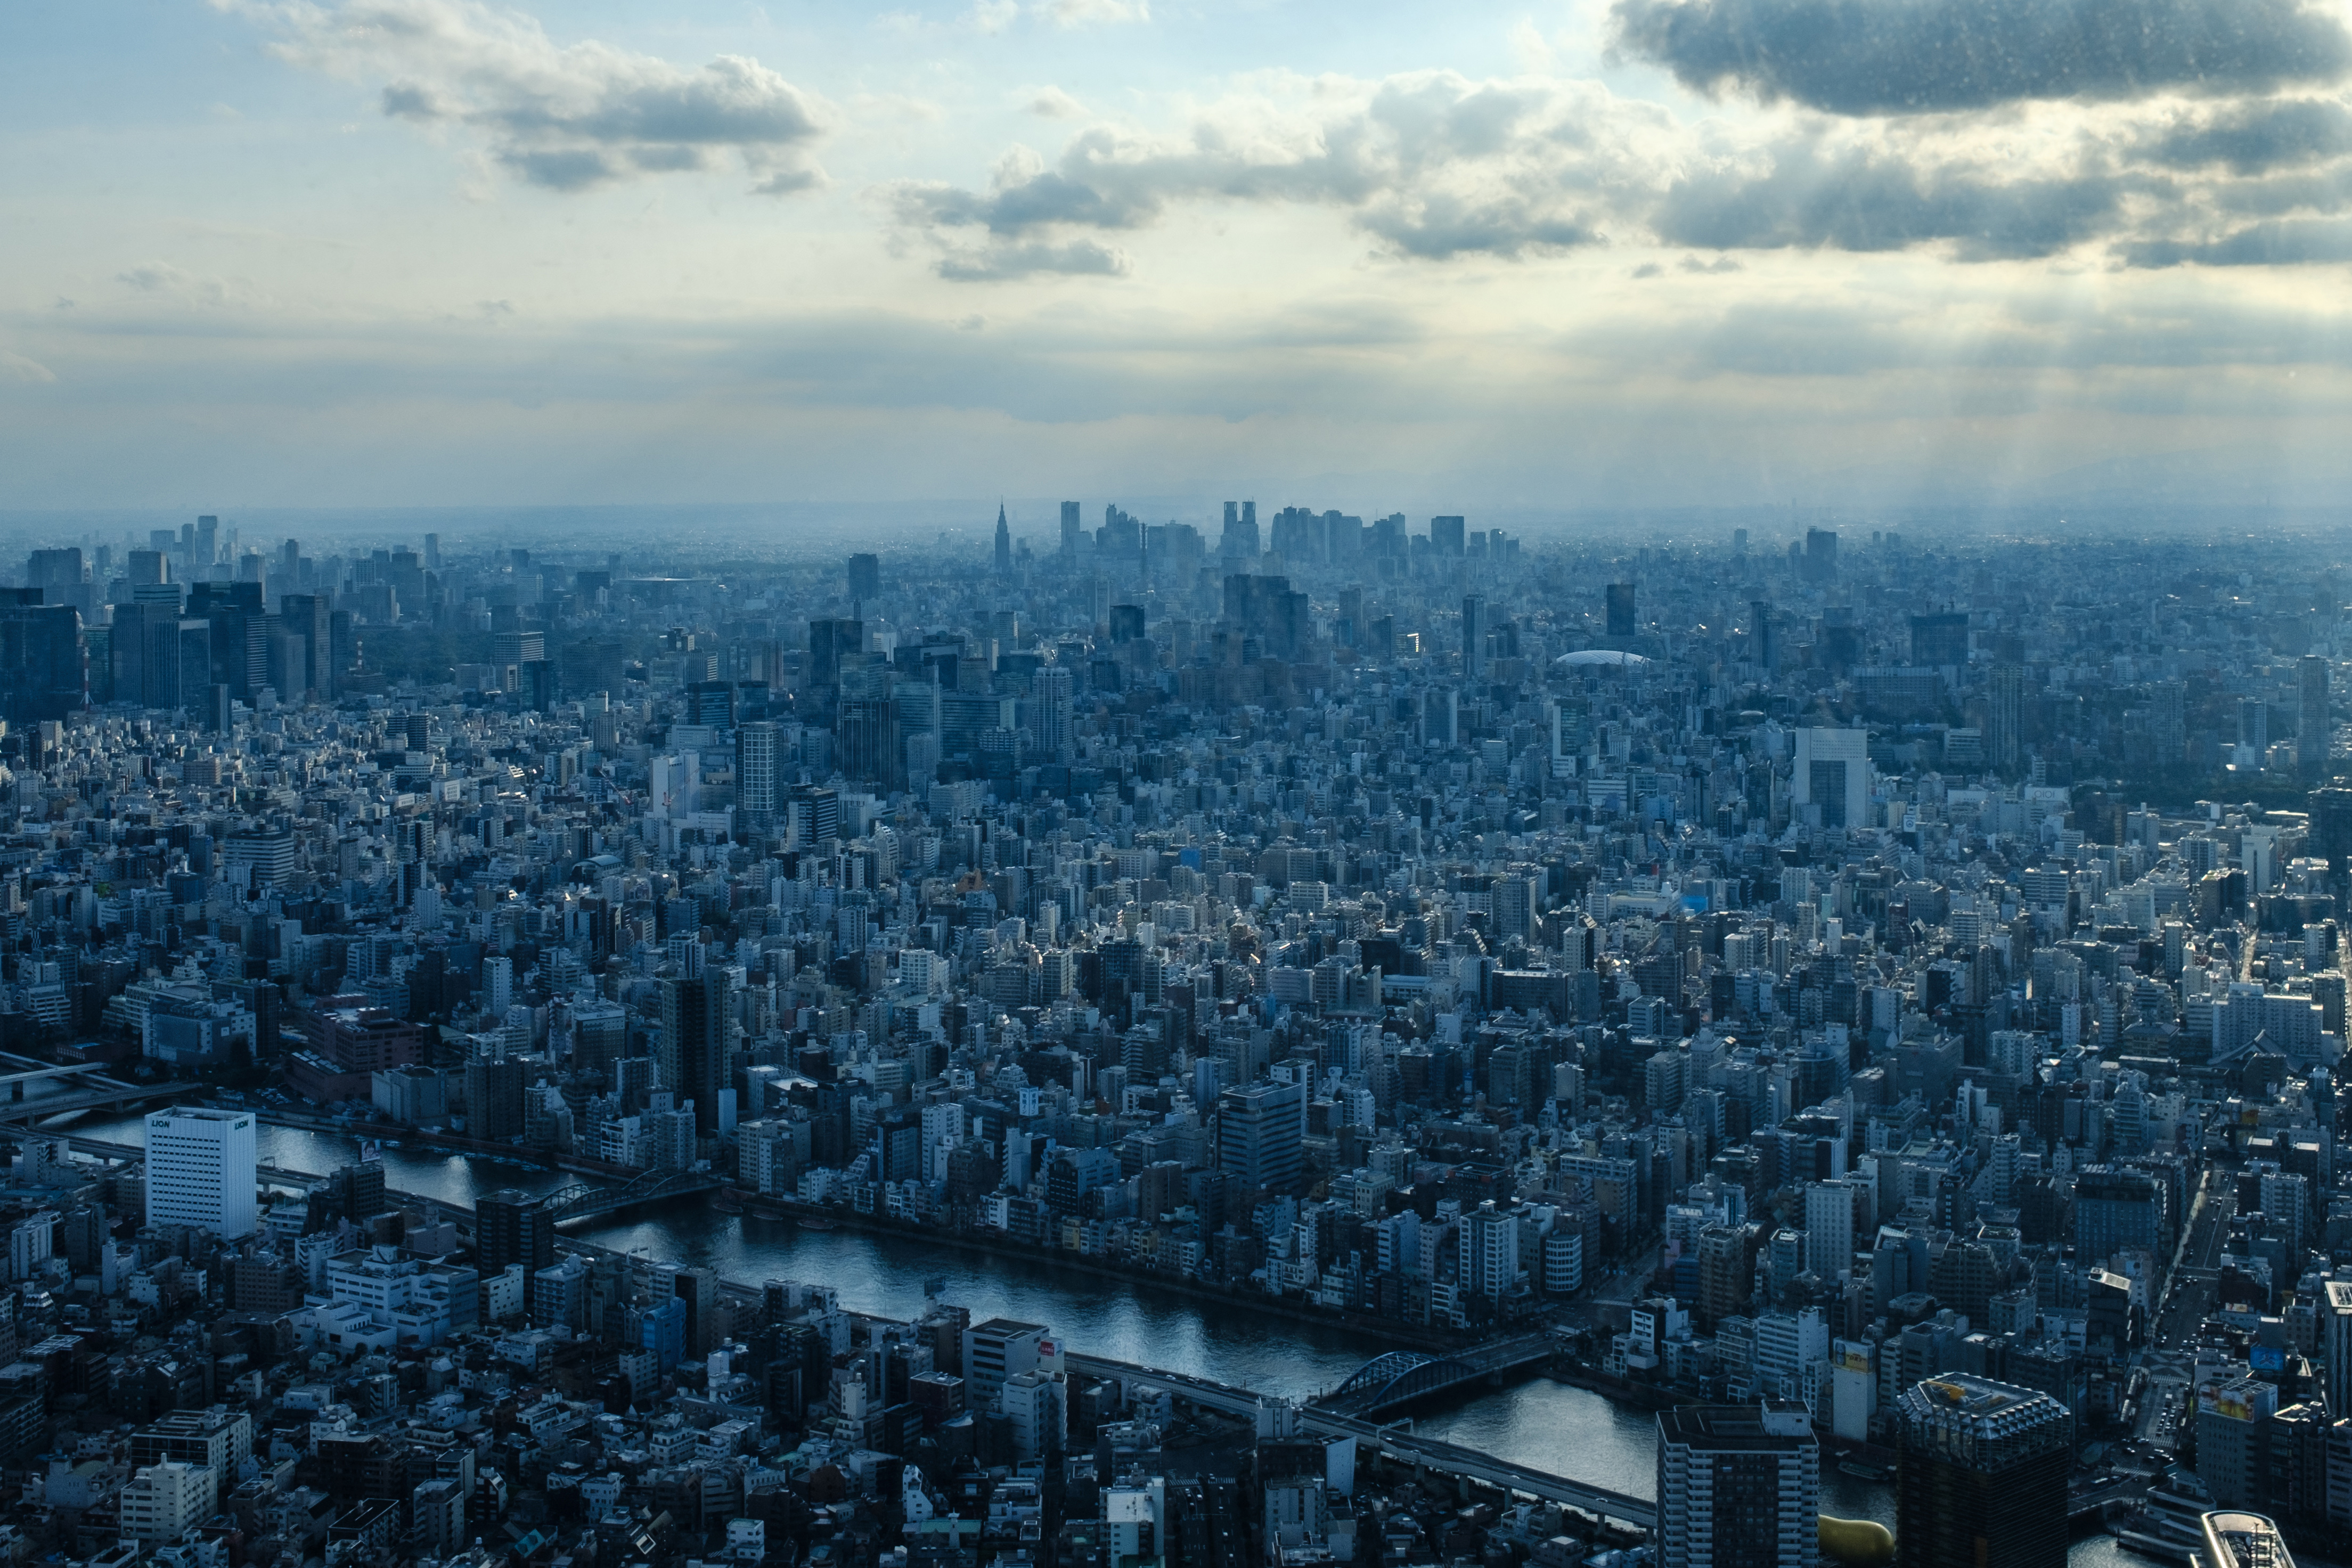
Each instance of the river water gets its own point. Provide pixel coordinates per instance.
(1546, 1424)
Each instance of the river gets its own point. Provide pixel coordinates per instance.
(1546, 1424)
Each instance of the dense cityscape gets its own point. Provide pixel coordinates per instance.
(1868, 992)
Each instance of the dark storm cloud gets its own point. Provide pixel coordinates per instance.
(1914, 56)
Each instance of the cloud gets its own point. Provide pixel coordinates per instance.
(1086, 13)
(164, 280)
(996, 263)
(2294, 242)
(2254, 138)
(1856, 199)
(1432, 164)
(1053, 103)
(994, 15)
(15, 367)
(1912, 56)
(564, 117)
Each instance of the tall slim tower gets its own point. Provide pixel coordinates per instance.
(2005, 741)
(1474, 636)
(758, 755)
(1072, 526)
(1004, 544)
(2312, 725)
(694, 1036)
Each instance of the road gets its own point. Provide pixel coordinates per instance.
(1397, 1443)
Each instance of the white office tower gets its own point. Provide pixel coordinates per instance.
(200, 1170)
(1739, 1483)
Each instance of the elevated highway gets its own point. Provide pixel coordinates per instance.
(1395, 1442)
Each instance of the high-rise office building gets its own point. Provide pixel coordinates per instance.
(1622, 621)
(1259, 1132)
(200, 1170)
(510, 1227)
(865, 576)
(43, 661)
(693, 1046)
(1981, 1475)
(758, 776)
(1490, 1252)
(1053, 690)
(994, 1353)
(830, 641)
(1004, 544)
(494, 1088)
(1821, 558)
(1829, 1228)
(1447, 536)
(1073, 525)
(1474, 636)
(1739, 1487)
(2233, 1439)
(2313, 726)
(2005, 718)
(1940, 639)
(1833, 771)
(1762, 649)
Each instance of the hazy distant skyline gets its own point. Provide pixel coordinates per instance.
(1653, 252)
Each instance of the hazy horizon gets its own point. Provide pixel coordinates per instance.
(1582, 258)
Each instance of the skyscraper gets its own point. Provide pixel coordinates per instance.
(1833, 771)
(494, 1097)
(1621, 609)
(1739, 1487)
(1474, 636)
(1072, 524)
(42, 658)
(757, 752)
(2312, 724)
(865, 576)
(1981, 1476)
(2004, 740)
(694, 1036)
(1761, 649)
(1004, 544)
(830, 641)
(1053, 690)
(200, 1170)
(1820, 562)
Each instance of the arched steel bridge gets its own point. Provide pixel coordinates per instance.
(582, 1201)
(1400, 1377)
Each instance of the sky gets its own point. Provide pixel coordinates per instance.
(1601, 255)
